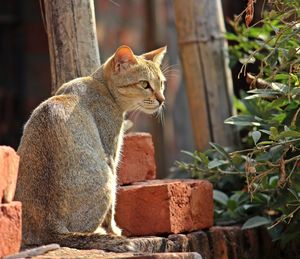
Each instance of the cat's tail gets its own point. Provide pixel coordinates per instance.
(95, 241)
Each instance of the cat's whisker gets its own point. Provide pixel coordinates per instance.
(168, 71)
(135, 112)
(163, 108)
(173, 73)
(160, 115)
(165, 66)
(170, 68)
(171, 76)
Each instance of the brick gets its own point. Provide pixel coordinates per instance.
(177, 243)
(217, 242)
(198, 242)
(234, 242)
(164, 206)
(251, 244)
(9, 165)
(10, 228)
(137, 162)
(268, 249)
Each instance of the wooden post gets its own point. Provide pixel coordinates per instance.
(156, 126)
(204, 57)
(73, 46)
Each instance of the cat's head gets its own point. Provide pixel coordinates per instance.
(136, 82)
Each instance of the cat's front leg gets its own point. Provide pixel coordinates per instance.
(109, 222)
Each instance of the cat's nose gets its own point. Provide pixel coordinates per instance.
(160, 98)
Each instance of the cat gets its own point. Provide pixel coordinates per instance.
(70, 149)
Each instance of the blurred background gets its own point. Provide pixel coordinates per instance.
(144, 25)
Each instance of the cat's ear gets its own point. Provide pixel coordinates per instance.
(156, 55)
(123, 58)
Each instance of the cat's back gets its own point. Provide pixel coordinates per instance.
(60, 108)
(55, 120)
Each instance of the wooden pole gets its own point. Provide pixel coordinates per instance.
(156, 126)
(204, 57)
(73, 46)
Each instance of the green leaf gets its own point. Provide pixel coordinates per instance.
(220, 197)
(265, 91)
(272, 58)
(255, 222)
(273, 181)
(245, 120)
(256, 136)
(295, 91)
(220, 150)
(281, 77)
(289, 133)
(203, 157)
(266, 132)
(232, 204)
(274, 133)
(280, 87)
(279, 118)
(294, 193)
(215, 163)
(265, 143)
(295, 79)
(282, 101)
(247, 60)
(231, 36)
(239, 105)
(193, 155)
(188, 153)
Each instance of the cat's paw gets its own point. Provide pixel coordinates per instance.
(100, 231)
(115, 230)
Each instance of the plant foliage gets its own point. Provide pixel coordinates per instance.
(260, 185)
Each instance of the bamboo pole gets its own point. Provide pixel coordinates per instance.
(73, 46)
(204, 56)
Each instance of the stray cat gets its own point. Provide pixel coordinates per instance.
(70, 151)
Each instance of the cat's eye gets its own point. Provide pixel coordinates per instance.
(145, 85)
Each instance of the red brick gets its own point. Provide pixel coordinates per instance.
(177, 243)
(9, 164)
(164, 206)
(138, 162)
(217, 242)
(198, 242)
(251, 243)
(268, 248)
(10, 228)
(234, 241)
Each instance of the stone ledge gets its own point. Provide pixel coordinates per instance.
(229, 242)
(70, 253)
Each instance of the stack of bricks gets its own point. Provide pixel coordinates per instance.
(146, 206)
(10, 211)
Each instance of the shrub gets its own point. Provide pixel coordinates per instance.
(260, 184)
